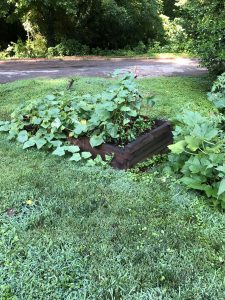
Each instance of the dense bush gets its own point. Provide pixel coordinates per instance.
(217, 94)
(204, 21)
(31, 48)
(198, 154)
(68, 48)
(175, 37)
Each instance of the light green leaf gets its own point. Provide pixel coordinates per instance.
(126, 121)
(192, 142)
(132, 113)
(36, 121)
(75, 157)
(90, 163)
(5, 127)
(125, 108)
(112, 130)
(40, 142)
(56, 123)
(119, 100)
(56, 143)
(80, 128)
(53, 112)
(50, 97)
(59, 151)
(72, 149)
(178, 148)
(22, 136)
(86, 155)
(221, 168)
(221, 187)
(29, 143)
(96, 140)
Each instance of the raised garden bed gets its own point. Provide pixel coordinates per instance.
(153, 142)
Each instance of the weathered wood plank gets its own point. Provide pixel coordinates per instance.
(153, 142)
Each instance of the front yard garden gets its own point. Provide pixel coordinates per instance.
(71, 231)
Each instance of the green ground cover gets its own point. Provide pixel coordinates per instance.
(115, 53)
(69, 231)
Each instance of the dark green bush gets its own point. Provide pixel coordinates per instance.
(68, 48)
(217, 94)
(198, 154)
(205, 23)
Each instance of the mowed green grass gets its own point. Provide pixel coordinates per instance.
(96, 233)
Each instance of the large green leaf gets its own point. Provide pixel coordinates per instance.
(29, 143)
(221, 187)
(195, 182)
(193, 143)
(178, 148)
(5, 127)
(125, 108)
(53, 112)
(22, 136)
(56, 143)
(80, 128)
(96, 140)
(56, 123)
(86, 154)
(50, 97)
(59, 151)
(132, 113)
(72, 149)
(40, 142)
(112, 130)
(75, 157)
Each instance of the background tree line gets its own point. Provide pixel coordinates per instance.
(97, 23)
(77, 26)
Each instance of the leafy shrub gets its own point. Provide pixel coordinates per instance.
(68, 48)
(198, 154)
(175, 36)
(3, 55)
(113, 116)
(36, 47)
(140, 48)
(217, 94)
(204, 22)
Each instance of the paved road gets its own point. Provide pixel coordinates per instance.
(24, 69)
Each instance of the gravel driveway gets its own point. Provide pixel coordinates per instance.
(23, 69)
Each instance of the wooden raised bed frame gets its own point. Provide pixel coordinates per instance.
(153, 142)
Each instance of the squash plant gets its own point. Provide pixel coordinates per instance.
(112, 116)
(198, 154)
(217, 94)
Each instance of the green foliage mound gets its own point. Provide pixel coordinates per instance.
(198, 154)
(112, 116)
(217, 94)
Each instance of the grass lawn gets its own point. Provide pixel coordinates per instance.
(96, 233)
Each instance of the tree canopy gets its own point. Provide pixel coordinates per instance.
(102, 23)
(204, 21)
